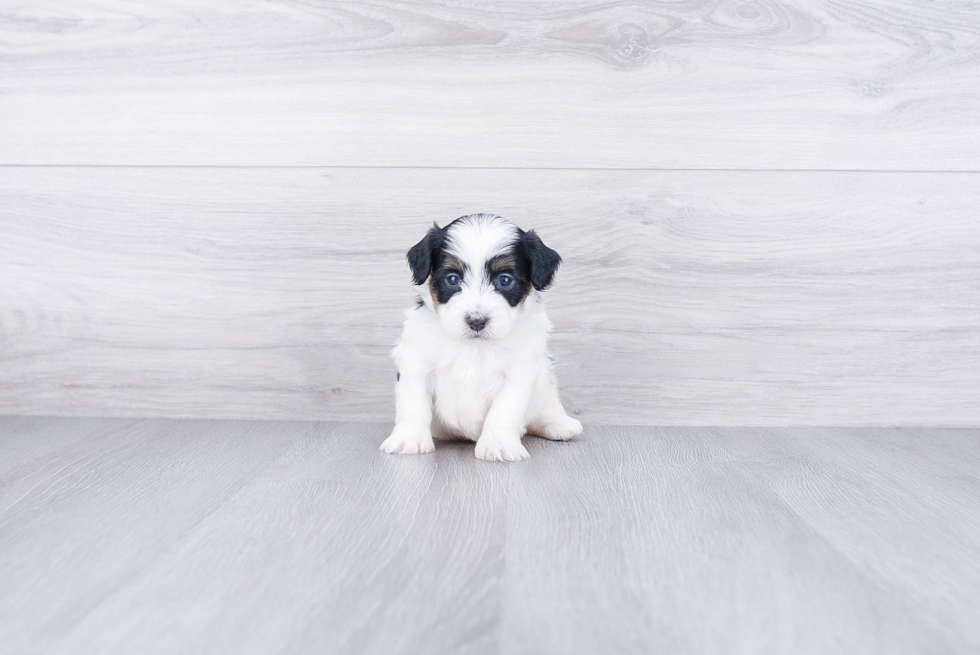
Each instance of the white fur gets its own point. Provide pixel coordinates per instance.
(490, 388)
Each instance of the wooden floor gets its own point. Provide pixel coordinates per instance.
(156, 536)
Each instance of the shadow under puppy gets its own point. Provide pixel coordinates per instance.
(473, 360)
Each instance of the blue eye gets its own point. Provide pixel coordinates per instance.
(453, 280)
(505, 280)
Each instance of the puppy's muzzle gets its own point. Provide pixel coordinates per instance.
(477, 321)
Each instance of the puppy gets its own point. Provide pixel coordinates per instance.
(473, 361)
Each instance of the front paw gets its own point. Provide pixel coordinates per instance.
(409, 440)
(497, 449)
(562, 429)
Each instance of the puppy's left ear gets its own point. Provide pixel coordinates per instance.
(544, 260)
(422, 254)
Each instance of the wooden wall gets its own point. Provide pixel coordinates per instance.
(769, 211)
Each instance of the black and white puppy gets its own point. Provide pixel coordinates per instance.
(473, 360)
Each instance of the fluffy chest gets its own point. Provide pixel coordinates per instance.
(464, 385)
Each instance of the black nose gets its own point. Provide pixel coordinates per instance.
(477, 321)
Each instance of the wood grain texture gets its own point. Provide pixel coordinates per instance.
(79, 523)
(658, 540)
(813, 84)
(918, 483)
(213, 537)
(685, 298)
(250, 538)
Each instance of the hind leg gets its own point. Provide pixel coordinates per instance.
(553, 423)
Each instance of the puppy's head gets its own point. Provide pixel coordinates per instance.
(481, 269)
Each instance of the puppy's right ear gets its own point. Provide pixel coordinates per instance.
(423, 253)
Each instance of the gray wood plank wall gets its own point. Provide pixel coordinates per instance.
(879, 84)
(769, 211)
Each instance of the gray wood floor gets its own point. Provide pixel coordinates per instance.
(155, 536)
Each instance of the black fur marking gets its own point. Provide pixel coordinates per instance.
(444, 267)
(516, 265)
(425, 253)
(530, 263)
(543, 260)
(398, 376)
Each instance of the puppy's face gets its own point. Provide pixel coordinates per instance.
(480, 270)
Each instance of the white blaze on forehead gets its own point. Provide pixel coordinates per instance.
(477, 238)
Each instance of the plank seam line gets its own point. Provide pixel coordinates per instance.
(499, 168)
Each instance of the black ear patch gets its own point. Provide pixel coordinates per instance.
(544, 261)
(423, 253)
